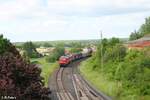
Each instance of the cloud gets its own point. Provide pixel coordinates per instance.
(10, 9)
(70, 19)
(97, 7)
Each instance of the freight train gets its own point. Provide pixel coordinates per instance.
(67, 59)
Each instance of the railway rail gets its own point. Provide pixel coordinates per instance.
(80, 89)
(62, 93)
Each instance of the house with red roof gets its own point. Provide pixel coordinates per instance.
(139, 43)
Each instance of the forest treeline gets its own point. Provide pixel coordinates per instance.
(29, 50)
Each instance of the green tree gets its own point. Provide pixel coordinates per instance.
(145, 28)
(47, 45)
(134, 35)
(76, 45)
(59, 51)
(106, 44)
(4, 44)
(75, 50)
(116, 53)
(30, 50)
(113, 41)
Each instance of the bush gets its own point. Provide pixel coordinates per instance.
(51, 58)
(59, 51)
(75, 50)
(19, 78)
(130, 68)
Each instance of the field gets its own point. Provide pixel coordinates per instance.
(47, 68)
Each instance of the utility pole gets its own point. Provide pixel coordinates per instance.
(101, 50)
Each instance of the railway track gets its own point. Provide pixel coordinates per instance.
(75, 88)
(82, 90)
(62, 93)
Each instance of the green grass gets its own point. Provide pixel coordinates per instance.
(97, 79)
(110, 88)
(47, 68)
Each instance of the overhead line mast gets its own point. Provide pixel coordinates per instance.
(101, 50)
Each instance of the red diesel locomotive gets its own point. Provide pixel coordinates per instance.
(65, 60)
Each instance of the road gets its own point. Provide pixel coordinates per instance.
(67, 84)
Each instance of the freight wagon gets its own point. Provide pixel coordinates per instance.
(67, 59)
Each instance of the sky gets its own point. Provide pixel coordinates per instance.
(42, 20)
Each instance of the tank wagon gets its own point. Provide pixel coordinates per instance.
(67, 59)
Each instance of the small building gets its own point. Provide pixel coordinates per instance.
(139, 43)
(45, 51)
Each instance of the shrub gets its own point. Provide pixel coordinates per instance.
(59, 51)
(19, 78)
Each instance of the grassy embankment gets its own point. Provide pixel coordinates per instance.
(109, 87)
(47, 68)
(96, 79)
